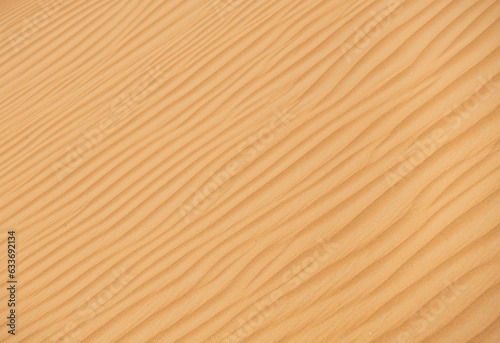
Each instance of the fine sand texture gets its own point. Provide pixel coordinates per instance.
(266, 171)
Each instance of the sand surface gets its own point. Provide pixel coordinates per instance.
(250, 171)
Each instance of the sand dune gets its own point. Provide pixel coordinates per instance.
(250, 171)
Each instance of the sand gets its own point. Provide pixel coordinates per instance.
(250, 171)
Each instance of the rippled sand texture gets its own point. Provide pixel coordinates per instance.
(251, 171)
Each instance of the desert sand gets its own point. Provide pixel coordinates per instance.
(250, 171)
